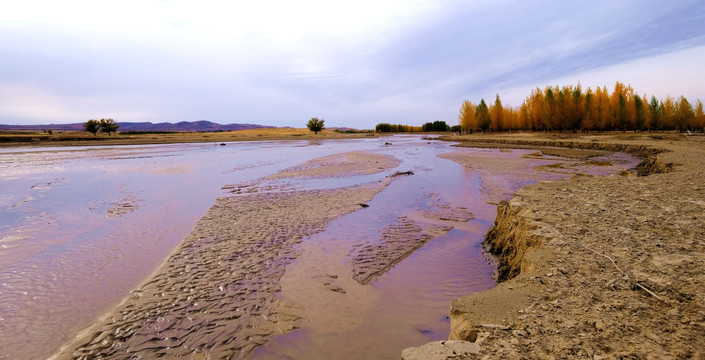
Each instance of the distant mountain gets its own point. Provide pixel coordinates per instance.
(201, 125)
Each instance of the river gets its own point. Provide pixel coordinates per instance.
(82, 226)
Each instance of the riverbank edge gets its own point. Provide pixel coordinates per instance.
(516, 242)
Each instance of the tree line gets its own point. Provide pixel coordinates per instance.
(386, 127)
(435, 126)
(574, 109)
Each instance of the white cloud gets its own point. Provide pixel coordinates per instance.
(673, 74)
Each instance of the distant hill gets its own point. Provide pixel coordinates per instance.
(201, 125)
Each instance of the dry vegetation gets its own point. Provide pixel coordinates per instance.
(72, 138)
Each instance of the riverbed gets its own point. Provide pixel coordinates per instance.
(81, 227)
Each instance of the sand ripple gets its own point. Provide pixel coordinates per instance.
(215, 295)
(401, 239)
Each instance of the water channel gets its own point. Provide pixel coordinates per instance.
(82, 226)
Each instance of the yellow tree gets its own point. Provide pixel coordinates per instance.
(497, 113)
(699, 115)
(685, 115)
(524, 117)
(604, 110)
(467, 119)
(668, 113)
(511, 118)
(535, 108)
(699, 108)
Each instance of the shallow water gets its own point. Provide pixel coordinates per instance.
(409, 305)
(80, 227)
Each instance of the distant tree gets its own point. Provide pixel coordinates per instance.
(92, 126)
(315, 125)
(108, 126)
(482, 114)
(440, 126)
(383, 127)
(437, 126)
(456, 128)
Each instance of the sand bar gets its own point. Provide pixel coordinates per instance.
(214, 296)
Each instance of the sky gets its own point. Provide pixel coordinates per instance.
(353, 63)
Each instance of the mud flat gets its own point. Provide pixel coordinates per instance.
(214, 296)
(593, 267)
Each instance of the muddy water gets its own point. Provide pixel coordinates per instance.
(81, 227)
(408, 306)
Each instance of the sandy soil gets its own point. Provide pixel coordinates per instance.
(214, 297)
(595, 267)
(336, 165)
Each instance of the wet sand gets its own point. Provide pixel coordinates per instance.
(214, 297)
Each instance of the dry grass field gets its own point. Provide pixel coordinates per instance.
(72, 138)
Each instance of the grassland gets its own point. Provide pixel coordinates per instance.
(72, 138)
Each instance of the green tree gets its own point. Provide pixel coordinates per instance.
(92, 126)
(639, 117)
(315, 125)
(383, 127)
(108, 126)
(482, 113)
(655, 113)
(622, 112)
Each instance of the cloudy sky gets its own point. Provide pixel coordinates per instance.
(353, 63)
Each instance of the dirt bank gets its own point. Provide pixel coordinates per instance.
(214, 297)
(597, 267)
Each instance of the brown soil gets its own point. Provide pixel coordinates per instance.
(214, 297)
(597, 267)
